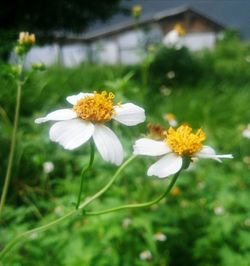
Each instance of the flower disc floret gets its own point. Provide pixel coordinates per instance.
(156, 131)
(96, 108)
(183, 142)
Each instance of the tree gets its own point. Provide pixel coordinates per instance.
(45, 17)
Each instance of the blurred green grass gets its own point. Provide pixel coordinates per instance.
(206, 223)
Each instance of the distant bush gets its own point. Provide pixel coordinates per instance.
(185, 66)
(228, 62)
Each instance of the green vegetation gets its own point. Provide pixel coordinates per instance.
(206, 220)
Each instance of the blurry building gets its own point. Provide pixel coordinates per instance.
(126, 41)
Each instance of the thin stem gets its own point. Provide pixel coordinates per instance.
(45, 227)
(139, 205)
(12, 147)
(85, 170)
(109, 184)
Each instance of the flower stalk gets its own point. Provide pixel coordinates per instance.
(144, 204)
(13, 138)
(85, 170)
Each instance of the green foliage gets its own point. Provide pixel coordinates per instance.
(227, 63)
(207, 221)
(182, 62)
(7, 41)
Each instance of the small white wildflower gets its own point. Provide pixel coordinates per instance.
(48, 167)
(201, 185)
(146, 255)
(59, 210)
(171, 119)
(160, 237)
(246, 160)
(34, 236)
(247, 222)
(126, 223)
(165, 90)
(246, 132)
(173, 37)
(171, 75)
(219, 210)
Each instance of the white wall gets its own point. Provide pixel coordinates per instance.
(47, 54)
(68, 55)
(74, 54)
(127, 48)
(198, 41)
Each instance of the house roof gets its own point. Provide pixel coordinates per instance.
(129, 24)
(223, 13)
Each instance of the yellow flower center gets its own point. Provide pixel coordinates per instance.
(97, 108)
(180, 29)
(183, 142)
(170, 117)
(136, 10)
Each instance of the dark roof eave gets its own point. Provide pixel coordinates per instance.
(130, 25)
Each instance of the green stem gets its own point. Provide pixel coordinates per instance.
(12, 146)
(45, 227)
(85, 170)
(139, 205)
(108, 185)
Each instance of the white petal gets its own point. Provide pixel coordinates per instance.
(209, 152)
(108, 144)
(129, 114)
(167, 165)
(58, 115)
(150, 147)
(75, 98)
(71, 134)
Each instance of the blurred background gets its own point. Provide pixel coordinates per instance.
(184, 62)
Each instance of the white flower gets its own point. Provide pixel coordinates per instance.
(246, 132)
(219, 210)
(146, 255)
(171, 74)
(178, 144)
(247, 222)
(48, 167)
(59, 210)
(171, 119)
(173, 37)
(126, 223)
(160, 237)
(165, 90)
(86, 119)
